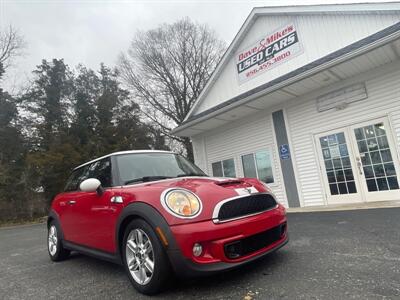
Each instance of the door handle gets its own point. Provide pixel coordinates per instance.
(71, 202)
(359, 165)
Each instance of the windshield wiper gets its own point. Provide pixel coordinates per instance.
(192, 174)
(147, 179)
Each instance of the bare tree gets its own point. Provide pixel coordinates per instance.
(166, 68)
(11, 45)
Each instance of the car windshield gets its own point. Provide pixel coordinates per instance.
(141, 167)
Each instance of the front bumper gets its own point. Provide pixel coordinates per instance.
(214, 237)
(186, 268)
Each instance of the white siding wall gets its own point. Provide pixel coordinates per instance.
(199, 152)
(238, 138)
(319, 36)
(304, 122)
(256, 132)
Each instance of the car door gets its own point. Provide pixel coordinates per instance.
(99, 213)
(70, 206)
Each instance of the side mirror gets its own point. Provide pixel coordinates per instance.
(91, 185)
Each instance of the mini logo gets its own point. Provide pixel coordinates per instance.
(246, 191)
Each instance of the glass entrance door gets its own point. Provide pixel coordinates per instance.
(359, 163)
(377, 160)
(339, 167)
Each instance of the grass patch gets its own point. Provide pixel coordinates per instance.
(37, 220)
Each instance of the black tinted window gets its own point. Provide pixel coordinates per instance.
(75, 179)
(101, 170)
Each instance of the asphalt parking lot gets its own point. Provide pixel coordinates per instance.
(331, 255)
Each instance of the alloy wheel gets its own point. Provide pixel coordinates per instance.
(140, 256)
(52, 240)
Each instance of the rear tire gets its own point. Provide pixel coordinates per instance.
(54, 243)
(144, 258)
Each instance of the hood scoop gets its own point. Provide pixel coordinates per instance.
(230, 182)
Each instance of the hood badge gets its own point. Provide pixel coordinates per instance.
(246, 191)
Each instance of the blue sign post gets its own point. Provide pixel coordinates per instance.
(284, 151)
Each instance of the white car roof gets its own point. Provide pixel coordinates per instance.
(122, 152)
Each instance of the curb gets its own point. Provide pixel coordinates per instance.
(345, 207)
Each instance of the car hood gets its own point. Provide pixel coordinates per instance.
(211, 190)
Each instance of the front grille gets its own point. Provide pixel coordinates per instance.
(255, 242)
(244, 206)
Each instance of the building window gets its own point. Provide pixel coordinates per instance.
(225, 168)
(258, 165)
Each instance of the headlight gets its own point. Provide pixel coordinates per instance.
(181, 203)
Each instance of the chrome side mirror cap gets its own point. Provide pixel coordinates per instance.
(90, 185)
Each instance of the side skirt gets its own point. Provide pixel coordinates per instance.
(111, 257)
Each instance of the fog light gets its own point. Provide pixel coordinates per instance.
(197, 249)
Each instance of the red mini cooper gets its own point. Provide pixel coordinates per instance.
(154, 212)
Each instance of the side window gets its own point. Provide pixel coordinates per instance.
(101, 170)
(258, 165)
(75, 179)
(225, 168)
(249, 166)
(217, 169)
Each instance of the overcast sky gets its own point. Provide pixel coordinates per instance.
(91, 32)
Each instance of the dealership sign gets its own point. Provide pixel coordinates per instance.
(269, 51)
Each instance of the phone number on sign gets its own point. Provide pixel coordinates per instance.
(268, 63)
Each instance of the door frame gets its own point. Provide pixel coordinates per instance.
(348, 129)
(341, 198)
(379, 195)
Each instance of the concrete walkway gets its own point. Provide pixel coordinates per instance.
(340, 207)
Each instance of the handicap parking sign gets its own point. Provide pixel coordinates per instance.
(284, 151)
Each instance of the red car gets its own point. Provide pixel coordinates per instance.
(155, 212)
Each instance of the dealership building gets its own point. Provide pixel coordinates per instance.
(307, 99)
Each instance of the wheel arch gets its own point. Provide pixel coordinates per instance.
(146, 212)
(53, 216)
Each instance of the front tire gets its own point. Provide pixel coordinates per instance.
(144, 258)
(54, 243)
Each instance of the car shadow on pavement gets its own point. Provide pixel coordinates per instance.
(95, 264)
(237, 278)
(202, 286)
